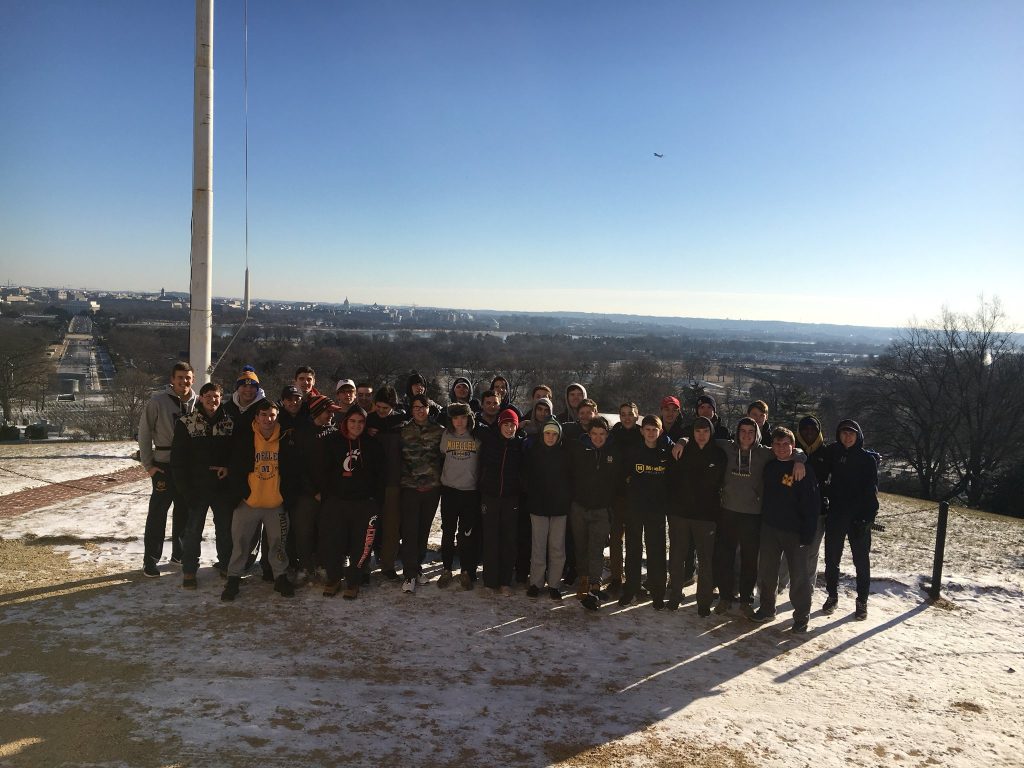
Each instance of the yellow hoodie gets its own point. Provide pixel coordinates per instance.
(265, 479)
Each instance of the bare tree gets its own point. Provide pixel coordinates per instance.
(129, 392)
(943, 399)
(24, 368)
(987, 370)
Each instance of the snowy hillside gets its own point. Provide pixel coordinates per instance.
(103, 667)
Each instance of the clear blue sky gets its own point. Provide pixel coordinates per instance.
(823, 162)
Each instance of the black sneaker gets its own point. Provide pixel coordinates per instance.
(268, 575)
(554, 593)
(533, 591)
(761, 617)
(283, 587)
(626, 597)
(658, 604)
(591, 602)
(799, 626)
(829, 606)
(175, 559)
(703, 611)
(391, 575)
(723, 606)
(672, 604)
(230, 589)
(861, 611)
(149, 569)
(188, 581)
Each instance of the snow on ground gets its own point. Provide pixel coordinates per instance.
(29, 465)
(447, 677)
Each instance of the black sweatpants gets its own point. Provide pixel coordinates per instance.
(839, 529)
(500, 520)
(345, 531)
(646, 528)
(417, 510)
(737, 529)
(460, 529)
(164, 493)
(688, 535)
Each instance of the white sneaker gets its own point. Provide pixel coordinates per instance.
(422, 579)
(409, 585)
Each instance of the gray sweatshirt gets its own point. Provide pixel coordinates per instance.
(744, 475)
(156, 427)
(461, 459)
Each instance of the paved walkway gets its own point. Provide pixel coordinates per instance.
(20, 502)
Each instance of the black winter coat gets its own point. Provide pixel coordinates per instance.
(547, 480)
(201, 442)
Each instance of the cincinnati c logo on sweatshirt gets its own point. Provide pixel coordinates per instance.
(351, 461)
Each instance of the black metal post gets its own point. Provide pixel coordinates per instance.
(940, 550)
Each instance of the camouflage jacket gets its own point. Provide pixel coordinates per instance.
(421, 460)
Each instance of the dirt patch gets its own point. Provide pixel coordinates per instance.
(968, 706)
(650, 749)
(94, 735)
(25, 567)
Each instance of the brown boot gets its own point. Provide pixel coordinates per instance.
(582, 587)
(351, 593)
(331, 588)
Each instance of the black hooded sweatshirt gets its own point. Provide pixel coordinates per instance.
(853, 490)
(696, 481)
(353, 470)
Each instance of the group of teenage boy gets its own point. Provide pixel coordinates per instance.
(322, 486)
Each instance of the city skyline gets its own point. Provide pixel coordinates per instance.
(852, 165)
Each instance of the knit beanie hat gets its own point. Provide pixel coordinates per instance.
(508, 415)
(707, 400)
(552, 425)
(248, 374)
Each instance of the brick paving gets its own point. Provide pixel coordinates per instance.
(20, 502)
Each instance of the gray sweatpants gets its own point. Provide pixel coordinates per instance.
(813, 555)
(590, 534)
(774, 544)
(244, 523)
(547, 551)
